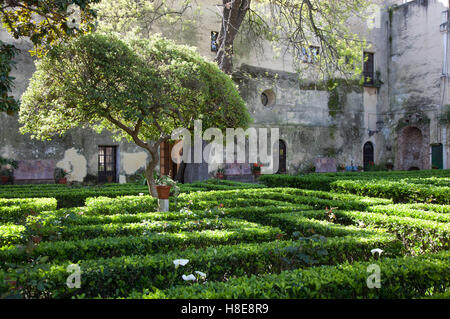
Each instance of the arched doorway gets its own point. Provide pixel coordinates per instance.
(368, 155)
(281, 157)
(411, 148)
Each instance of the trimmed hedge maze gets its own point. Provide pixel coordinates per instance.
(237, 241)
(73, 196)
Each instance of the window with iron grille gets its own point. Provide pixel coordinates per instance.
(311, 54)
(214, 45)
(369, 68)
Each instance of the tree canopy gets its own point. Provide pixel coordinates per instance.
(140, 89)
(44, 22)
(291, 26)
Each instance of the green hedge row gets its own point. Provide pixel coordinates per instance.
(76, 196)
(78, 216)
(11, 234)
(234, 198)
(399, 192)
(316, 182)
(444, 209)
(119, 275)
(403, 210)
(307, 223)
(139, 229)
(417, 234)
(123, 205)
(15, 210)
(435, 181)
(323, 181)
(106, 247)
(407, 277)
(288, 195)
(141, 204)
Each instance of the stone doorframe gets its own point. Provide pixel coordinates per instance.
(413, 147)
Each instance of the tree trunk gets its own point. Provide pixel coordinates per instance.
(180, 173)
(233, 14)
(150, 179)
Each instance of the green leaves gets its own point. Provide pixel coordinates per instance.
(142, 88)
(7, 103)
(44, 23)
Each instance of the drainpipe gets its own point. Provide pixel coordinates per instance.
(444, 146)
(444, 30)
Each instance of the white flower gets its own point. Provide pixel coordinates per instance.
(141, 194)
(178, 262)
(376, 251)
(187, 278)
(202, 274)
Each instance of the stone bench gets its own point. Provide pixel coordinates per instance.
(239, 172)
(35, 172)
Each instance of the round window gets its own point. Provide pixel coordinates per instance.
(268, 97)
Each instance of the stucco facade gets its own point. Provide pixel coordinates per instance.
(401, 116)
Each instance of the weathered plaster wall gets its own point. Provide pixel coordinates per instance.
(416, 88)
(302, 113)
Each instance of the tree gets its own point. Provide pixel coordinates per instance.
(296, 25)
(7, 103)
(44, 22)
(289, 25)
(141, 90)
(173, 18)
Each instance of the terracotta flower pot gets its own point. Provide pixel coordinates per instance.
(4, 179)
(62, 181)
(163, 191)
(257, 173)
(220, 175)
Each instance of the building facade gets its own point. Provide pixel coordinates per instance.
(398, 118)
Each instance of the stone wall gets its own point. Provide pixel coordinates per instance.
(418, 93)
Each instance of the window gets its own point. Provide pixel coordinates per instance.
(368, 70)
(268, 97)
(107, 164)
(310, 55)
(282, 157)
(368, 155)
(214, 45)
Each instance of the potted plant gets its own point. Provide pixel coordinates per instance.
(220, 174)
(256, 169)
(5, 175)
(60, 176)
(164, 185)
(360, 168)
(341, 168)
(6, 169)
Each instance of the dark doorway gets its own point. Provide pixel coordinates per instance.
(107, 159)
(282, 157)
(368, 157)
(437, 156)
